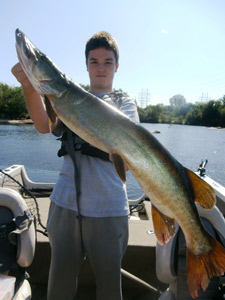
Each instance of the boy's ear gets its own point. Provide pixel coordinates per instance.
(117, 66)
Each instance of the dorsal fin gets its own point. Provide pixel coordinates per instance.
(204, 193)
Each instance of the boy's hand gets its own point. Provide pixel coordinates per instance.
(21, 77)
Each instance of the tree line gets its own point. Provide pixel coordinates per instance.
(212, 113)
(12, 102)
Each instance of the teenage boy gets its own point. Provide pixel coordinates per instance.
(95, 222)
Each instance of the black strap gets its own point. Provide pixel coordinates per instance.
(17, 225)
(89, 150)
(69, 147)
(84, 147)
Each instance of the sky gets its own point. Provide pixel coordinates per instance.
(167, 47)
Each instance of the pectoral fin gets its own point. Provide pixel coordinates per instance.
(119, 166)
(51, 114)
(164, 226)
(204, 193)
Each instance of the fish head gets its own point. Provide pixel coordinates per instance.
(43, 74)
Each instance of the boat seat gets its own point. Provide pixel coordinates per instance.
(17, 241)
(171, 259)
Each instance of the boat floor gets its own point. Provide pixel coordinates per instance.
(139, 259)
(39, 293)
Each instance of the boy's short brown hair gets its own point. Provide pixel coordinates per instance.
(102, 39)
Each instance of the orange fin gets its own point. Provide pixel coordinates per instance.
(204, 193)
(164, 226)
(201, 268)
(119, 165)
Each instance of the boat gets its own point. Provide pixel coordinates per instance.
(149, 271)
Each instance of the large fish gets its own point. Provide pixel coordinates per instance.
(172, 188)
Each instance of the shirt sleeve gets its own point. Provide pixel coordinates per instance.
(129, 108)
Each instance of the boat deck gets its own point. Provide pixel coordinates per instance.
(139, 260)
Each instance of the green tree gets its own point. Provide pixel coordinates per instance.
(223, 100)
(85, 86)
(151, 115)
(177, 100)
(211, 114)
(12, 103)
(194, 115)
(142, 114)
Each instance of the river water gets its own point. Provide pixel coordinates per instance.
(22, 144)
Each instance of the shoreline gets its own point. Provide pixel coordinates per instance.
(16, 122)
(30, 122)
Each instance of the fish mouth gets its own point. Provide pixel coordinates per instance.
(19, 36)
(24, 46)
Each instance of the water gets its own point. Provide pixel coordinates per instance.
(23, 145)
(188, 144)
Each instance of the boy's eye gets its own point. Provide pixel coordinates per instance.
(93, 61)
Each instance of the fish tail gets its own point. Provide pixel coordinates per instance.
(201, 268)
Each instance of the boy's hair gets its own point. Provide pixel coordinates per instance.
(102, 39)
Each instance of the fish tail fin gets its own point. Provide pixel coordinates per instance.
(201, 268)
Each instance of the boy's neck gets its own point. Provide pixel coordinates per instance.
(97, 91)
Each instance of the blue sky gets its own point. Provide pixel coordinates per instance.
(167, 47)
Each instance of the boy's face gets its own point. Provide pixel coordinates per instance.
(101, 65)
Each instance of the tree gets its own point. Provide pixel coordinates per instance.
(194, 115)
(85, 86)
(177, 100)
(223, 100)
(12, 102)
(211, 114)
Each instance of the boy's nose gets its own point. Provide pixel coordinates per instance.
(100, 67)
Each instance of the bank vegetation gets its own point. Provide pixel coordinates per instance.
(212, 113)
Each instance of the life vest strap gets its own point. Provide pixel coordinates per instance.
(84, 147)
